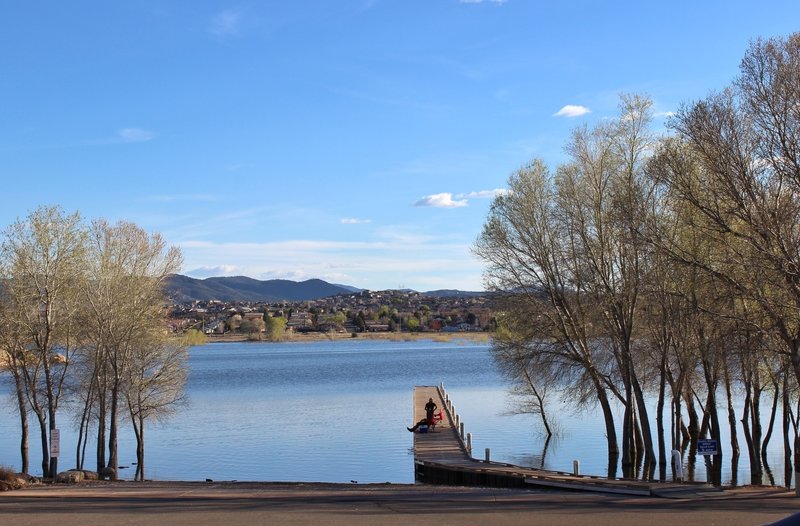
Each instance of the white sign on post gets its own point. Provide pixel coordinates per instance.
(55, 440)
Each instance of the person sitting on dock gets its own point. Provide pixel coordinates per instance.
(423, 422)
(430, 416)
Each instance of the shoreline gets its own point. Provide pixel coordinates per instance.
(478, 337)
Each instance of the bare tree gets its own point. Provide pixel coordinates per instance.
(529, 371)
(154, 385)
(43, 261)
(526, 243)
(124, 294)
(12, 356)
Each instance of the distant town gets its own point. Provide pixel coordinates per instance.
(358, 312)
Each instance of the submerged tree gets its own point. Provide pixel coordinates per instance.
(567, 258)
(736, 163)
(538, 280)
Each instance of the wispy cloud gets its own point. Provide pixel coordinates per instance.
(210, 272)
(443, 200)
(663, 114)
(226, 23)
(448, 200)
(135, 135)
(572, 110)
(354, 221)
(483, 194)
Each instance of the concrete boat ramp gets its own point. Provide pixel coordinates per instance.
(443, 456)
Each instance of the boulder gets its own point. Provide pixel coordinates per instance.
(24, 478)
(71, 477)
(90, 475)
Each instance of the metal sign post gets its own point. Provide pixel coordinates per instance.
(55, 449)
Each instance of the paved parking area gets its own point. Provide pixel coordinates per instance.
(197, 504)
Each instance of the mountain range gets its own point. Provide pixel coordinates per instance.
(241, 288)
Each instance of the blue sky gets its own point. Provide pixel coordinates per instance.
(356, 141)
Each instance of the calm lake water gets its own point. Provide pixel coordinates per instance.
(336, 412)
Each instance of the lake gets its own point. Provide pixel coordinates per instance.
(337, 412)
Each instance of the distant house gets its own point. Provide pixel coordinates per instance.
(215, 327)
(299, 320)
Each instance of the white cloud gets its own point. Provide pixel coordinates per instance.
(663, 114)
(354, 221)
(226, 23)
(135, 135)
(211, 272)
(572, 110)
(443, 200)
(483, 194)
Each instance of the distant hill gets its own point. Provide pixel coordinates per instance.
(241, 288)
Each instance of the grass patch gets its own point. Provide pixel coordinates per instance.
(7, 475)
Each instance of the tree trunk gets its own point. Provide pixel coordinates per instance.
(787, 446)
(647, 437)
(140, 450)
(19, 385)
(628, 444)
(101, 428)
(715, 460)
(772, 414)
(662, 447)
(731, 412)
(113, 461)
(755, 460)
(611, 432)
(83, 429)
(796, 464)
(44, 444)
(756, 429)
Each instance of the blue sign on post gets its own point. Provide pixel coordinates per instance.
(707, 447)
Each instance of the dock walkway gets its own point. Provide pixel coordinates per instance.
(444, 457)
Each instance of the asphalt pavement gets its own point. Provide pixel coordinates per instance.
(232, 504)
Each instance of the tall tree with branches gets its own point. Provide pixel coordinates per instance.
(124, 292)
(44, 258)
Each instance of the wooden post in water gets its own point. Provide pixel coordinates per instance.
(469, 443)
(488, 455)
(461, 427)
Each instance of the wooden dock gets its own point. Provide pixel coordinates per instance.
(444, 457)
